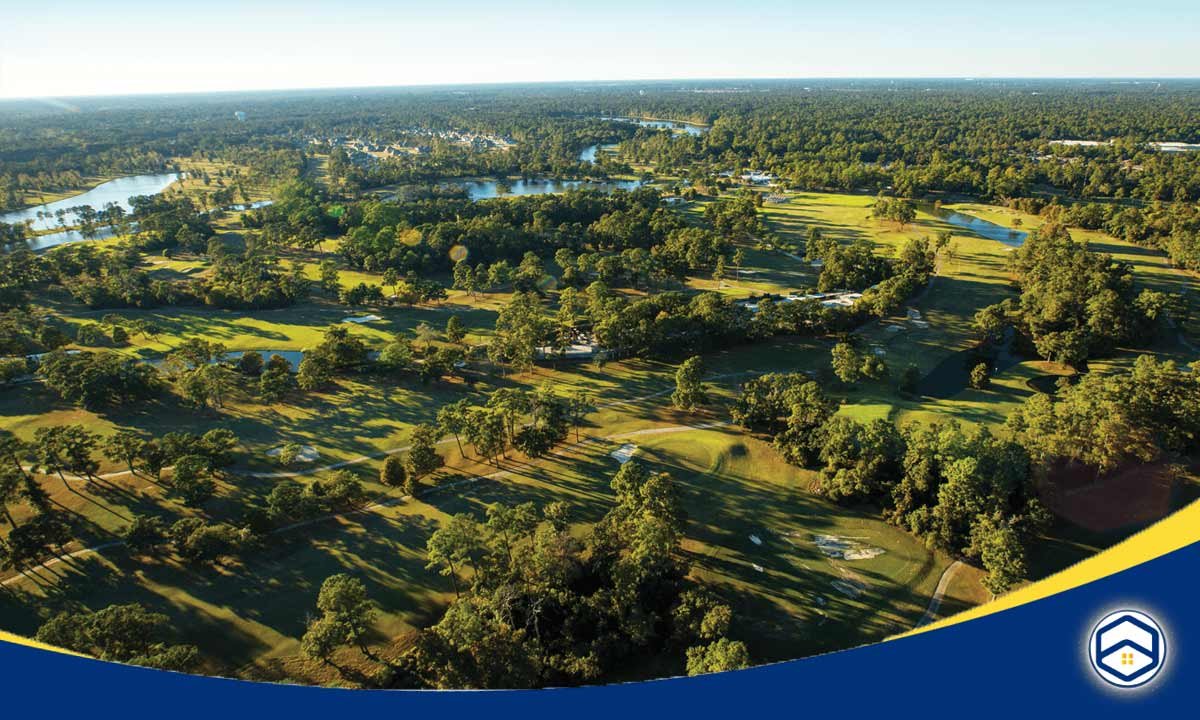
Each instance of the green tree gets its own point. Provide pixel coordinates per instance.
(453, 418)
(393, 473)
(454, 330)
(124, 446)
(452, 546)
(423, 457)
(981, 376)
(719, 656)
(846, 362)
(689, 386)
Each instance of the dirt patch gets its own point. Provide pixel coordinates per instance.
(1133, 494)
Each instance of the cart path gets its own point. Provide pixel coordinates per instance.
(935, 603)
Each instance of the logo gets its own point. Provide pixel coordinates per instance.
(1127, 648)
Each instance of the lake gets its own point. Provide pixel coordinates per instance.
(62, 237)
(488, 189)
(117, 191)
(675, 125)
(983, 228)
(589, 153)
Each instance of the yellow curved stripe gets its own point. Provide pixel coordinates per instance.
(18, 640)
(1175, 531)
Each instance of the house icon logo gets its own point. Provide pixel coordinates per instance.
(1127, 648)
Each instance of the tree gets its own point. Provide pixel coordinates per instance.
(144, 534)
(579, 404)
(393, 473)
(192, 480)
(121, 633)
(486, 431)
(323, 636)
(909, 380)
(981, 376)
(719, 273)
(347, 615)
(846, 362)
(689, 386)
(65, 448)
(330, 280)
(275, 383)
(453, 418)
(453, 545)
(719, 656)
(422, 456)
(11, 483)
(124, 446)
(315, 372)
(454, 330)
(207, 385)
(739, 257)
(465, 278)
(1002, 553)
(250, 363)
(289, 453)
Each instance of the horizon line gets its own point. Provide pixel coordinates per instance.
(627, 81)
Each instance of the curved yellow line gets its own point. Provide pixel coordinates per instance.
(1175, 531)
(28, 642)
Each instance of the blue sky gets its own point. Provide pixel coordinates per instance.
(96, 47)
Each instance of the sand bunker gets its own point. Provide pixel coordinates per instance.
(362, 319)
(849, 588)
(624, 453)
(841, 548)
(307, 454)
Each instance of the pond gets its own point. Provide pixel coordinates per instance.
(488, 189)
(117, 191)
(983, 228)
(292, 356)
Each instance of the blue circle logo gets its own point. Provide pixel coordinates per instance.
(1127, 648)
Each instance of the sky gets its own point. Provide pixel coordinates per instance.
(64, 48)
